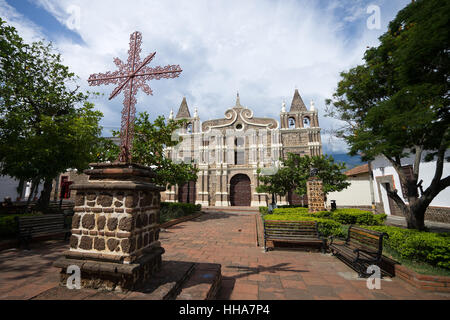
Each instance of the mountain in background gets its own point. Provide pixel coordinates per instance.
(349, 161)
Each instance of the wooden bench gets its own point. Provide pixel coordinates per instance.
(361, 249)
(55, 207)
(45, 225)
(302, 232)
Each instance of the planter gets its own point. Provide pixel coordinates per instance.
(424, 282)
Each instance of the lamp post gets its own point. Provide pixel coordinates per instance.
(273, 205)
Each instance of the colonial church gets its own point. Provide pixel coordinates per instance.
(229, 151)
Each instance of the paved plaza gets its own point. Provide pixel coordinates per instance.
(230, 240)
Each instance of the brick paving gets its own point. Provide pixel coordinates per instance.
(230, 240)
(249, 273)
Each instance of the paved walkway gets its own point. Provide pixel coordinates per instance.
(432, 225)
(248, 272)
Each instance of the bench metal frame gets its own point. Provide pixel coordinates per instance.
(359, 255)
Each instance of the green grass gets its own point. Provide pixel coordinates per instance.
(417, 266)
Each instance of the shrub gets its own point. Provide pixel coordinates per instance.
(299, 210)
(343, 216)
(263, 210)
(428, 247)
(290, 206)
(173, 210)
(326, 227)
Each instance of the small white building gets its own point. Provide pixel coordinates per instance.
(357, 195)
(385, 176)
(8, 188)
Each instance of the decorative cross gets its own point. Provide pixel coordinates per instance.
(131, 77)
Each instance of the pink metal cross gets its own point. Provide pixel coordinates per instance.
(131, 77)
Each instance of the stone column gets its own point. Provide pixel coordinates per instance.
(171, 194)
(254, 183)
(225, 186)
(115, 228)
(202, 183)
(316, 197)
(218, 178)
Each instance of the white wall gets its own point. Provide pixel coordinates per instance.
(8, 187)
(357, 194)
(382, 167)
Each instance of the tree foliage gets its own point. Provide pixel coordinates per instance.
(295, 171)
(396, 104)
(149, 143)
(45, 126)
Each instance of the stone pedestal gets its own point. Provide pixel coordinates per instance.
(316, 197)
(115, 228)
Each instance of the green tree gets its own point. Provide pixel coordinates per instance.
(295, 171)
(45, 126)
(279, 183)
(106, 150)
(396, 104)
(149, 143)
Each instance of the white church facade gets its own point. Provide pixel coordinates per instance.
(228, 152)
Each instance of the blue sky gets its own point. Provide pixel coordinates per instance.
(262, 48)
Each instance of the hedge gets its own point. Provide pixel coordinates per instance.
(428, 247)
(263, 210)
(343, 216)
(8, 224)
(173, 210)
(326, 227)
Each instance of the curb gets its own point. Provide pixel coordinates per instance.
(424, 282)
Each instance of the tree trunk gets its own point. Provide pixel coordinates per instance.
(34, 186)
(415, 217)
(44, 199)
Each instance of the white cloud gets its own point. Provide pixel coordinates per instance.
(261, 48)
(28, 30)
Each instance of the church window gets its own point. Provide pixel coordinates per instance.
(306, 122)
(239, 152)
(189, 128)
(291, 123)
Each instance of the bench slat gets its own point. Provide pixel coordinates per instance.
(292, 232)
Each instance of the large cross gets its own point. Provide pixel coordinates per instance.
(131, 77)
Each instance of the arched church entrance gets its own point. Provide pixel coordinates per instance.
(240, 191)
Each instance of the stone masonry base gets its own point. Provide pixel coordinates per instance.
(179, 280)
(113, 276)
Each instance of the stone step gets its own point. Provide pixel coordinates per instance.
(203, 284)
(176, 280)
